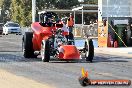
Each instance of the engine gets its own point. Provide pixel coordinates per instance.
(60, 39)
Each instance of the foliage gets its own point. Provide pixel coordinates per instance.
(20, 10)
(5, 7)
(90, 2)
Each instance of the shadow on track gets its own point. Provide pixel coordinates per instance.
(4, 57)
(16, 58)
(98, 59)
(19, 58)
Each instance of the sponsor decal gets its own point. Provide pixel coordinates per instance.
(85, 81)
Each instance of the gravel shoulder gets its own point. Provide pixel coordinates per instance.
(9, 80)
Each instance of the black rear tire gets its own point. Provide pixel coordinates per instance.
(45, 50)
(90, 50)
(28, 45)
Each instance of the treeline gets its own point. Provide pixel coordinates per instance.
(20, 10)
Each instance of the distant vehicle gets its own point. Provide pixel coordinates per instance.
(1, 29)
(11, 27)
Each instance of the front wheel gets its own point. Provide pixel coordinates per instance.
(89, 50)
(45, 50)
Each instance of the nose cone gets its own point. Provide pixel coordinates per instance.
(71, 52)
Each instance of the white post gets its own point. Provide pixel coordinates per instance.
(100, 5)
(39, 18)
(82, 23)
(0, 11)
(74, 17)
(33, 10)
(74, 23)
(82, 16)
(107, 11)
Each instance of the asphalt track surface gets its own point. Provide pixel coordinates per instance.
(60, 74)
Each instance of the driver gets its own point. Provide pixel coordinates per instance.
(64, 28)
(49, 22)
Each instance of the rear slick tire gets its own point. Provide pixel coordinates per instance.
(28, 45)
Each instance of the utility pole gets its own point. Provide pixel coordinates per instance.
(107, 11)
(33, 10)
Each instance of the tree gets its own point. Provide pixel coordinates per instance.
(66, 4)
(21, 12)
(89, 2)
(21, 9)
(5, 8)
(45, 4)
(1, 3)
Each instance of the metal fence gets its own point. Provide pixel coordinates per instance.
(86, 30)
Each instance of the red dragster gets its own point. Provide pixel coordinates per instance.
(49, 40)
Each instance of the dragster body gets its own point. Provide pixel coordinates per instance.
(68, 52)
(49, 40)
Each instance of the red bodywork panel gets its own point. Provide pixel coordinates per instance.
(40, 33)
(70, 52)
